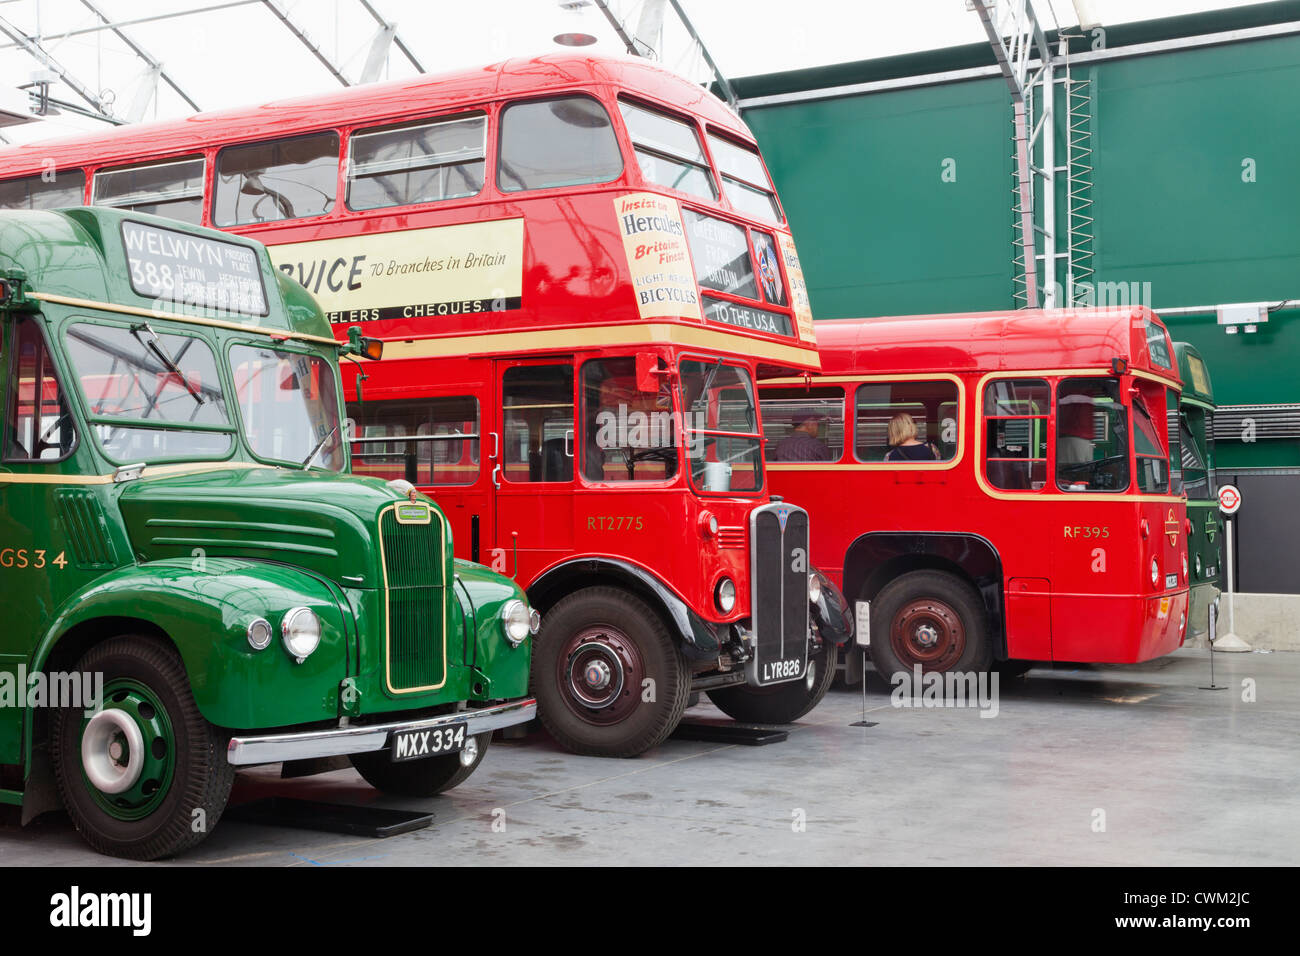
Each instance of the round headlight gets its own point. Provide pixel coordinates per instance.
(814, 588)
(1199, 567)
(516, 621)
(724, 595)
(300, 632)
(708, 524)
(1155, 573)
(260, 634)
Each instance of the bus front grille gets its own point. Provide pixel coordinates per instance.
(415, 599)
(779, 592)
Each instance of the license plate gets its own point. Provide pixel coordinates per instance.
(1171, 581)
(417, 744)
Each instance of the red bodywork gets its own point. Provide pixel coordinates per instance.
(578, 303)
(1073, 568)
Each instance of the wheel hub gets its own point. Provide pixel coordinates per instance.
(112, 751)
(600, 673)
(929, 632)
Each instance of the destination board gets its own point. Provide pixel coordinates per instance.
(189, 270)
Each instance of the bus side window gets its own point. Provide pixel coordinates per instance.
(426, 441)
(1015, 433)
(173, 188)
(560, 142)
(931, 406)
(438, 159)
(790, 416)
(67, 188)
(38, 425)
(284, 179)
(537, 431)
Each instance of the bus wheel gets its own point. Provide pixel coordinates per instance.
(144, 775)
(421, 778)
(780, 703)
(608, 679)
(931, 619)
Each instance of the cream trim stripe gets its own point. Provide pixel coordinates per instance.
(178, 317)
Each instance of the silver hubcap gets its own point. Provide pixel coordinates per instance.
(926, 635)
(112, 751)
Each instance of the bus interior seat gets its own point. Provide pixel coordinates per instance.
(554, 464)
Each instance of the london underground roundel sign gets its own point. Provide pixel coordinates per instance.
(1229, 499)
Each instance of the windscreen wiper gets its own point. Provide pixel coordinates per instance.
(703, 397)
(154, 344)
(306, 462)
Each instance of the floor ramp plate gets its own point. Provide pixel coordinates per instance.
(729, 733)
(375, 822)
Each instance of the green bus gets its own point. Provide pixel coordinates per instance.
(193, 582)
(1191, 430)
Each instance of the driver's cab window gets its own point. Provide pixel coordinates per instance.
(627, 434)
(38, 425)
(537, 426)
(1091, 436)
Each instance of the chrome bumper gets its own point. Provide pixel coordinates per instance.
(340, 741)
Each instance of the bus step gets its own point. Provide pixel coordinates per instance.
(728, 733)
(343, 818)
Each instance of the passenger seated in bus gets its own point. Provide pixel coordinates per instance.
(1077, 429)
(904, 445)
(802, 444)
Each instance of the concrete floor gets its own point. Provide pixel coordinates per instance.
(1184, 776)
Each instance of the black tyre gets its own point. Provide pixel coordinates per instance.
(418, 778)
(780, 703)
(1010, 669)
(608, 679)
(145, 776)
(932, 619)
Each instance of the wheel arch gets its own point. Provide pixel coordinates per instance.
(876, 558)
(697, 638)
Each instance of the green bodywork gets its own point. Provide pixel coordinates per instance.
(195, 551)
(1194, 450)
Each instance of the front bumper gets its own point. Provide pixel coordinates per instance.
(341, 741)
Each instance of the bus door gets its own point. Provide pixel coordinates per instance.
(532, 467)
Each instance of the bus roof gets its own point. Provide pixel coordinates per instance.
(1194, 373)
(395, 100)
(1023, 340)
(112, 260)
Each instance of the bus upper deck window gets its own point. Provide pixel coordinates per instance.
(285, 179)
(67, 188)
(668, 151)
(1015, 433)
(561, 142)
(1091, 436)
(442, 159)
(744, 179)
(172, 189)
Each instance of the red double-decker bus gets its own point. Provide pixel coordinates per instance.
(991, 487)
(580, 268)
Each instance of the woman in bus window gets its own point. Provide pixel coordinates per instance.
(904, 445)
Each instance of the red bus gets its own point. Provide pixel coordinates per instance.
(580, 268)
(991, 487)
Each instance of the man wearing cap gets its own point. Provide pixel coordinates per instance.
(802, 444)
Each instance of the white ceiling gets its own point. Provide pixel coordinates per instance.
(243, 54)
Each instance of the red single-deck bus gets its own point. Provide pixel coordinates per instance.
(580, 268)
(991, 487)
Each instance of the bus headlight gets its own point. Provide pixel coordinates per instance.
(1155, 573)
(1199, 567)
(724, 595)
(300, 631)
(1184, 568)
(814, 588)
(516, 621)
(259, 634)
(708, 524)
